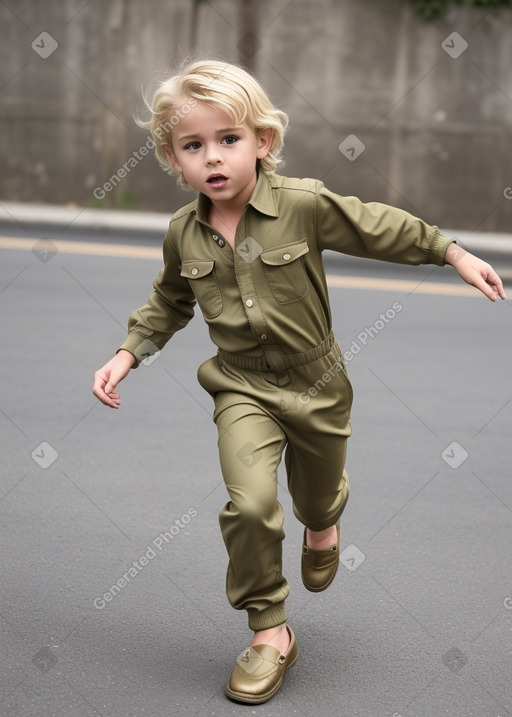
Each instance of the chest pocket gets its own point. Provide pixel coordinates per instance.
(285, 271)
(204, 284)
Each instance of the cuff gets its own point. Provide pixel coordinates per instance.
(139, 346)
(270, 617)
(439, 245)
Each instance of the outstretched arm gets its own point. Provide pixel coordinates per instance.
(476, 272)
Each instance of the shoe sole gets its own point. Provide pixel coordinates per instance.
(257, 700)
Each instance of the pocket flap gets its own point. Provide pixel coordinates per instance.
(284, 254)
(197, 268)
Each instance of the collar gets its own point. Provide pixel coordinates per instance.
(262, 199)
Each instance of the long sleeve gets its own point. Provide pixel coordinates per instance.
(377, 231)
(169, 308)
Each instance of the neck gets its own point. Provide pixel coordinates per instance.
(226, 221)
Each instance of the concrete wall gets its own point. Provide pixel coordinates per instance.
(436, 127)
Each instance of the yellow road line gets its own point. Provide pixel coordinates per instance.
(129, 251)
(132, 251)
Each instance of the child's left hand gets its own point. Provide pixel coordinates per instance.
(476, 272)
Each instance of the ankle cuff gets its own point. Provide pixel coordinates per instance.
(270, 617)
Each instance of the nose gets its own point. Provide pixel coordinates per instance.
(213, 155)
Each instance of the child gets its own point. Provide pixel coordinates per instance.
(249, 251)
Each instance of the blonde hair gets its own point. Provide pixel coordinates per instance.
(222, 85)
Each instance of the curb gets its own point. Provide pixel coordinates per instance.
(153, 225)
(59, 218)
(489, 242)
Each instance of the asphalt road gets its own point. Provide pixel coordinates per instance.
(418, 621)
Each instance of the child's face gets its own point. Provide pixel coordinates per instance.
(217, 157)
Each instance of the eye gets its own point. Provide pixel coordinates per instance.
(192, 145)
(230, 139)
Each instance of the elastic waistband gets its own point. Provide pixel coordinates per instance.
(260, 363)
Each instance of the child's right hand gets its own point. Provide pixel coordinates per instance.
(107, 378)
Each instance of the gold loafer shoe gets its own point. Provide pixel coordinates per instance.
(319, 567)
(259, 672)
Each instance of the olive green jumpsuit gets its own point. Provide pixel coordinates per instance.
(278, 380)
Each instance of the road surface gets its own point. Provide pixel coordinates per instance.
(112, 584)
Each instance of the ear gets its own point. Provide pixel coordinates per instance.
(265, 137)
(172, 159)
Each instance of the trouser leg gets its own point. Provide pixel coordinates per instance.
(251, 522)
(317, 442)
(319, 486)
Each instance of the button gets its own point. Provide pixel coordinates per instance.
(286, 257)
(249, 303)
(214, 237)
(195, 271)
(221, 243)
(263, 337)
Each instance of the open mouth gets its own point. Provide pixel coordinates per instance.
(217, 180)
